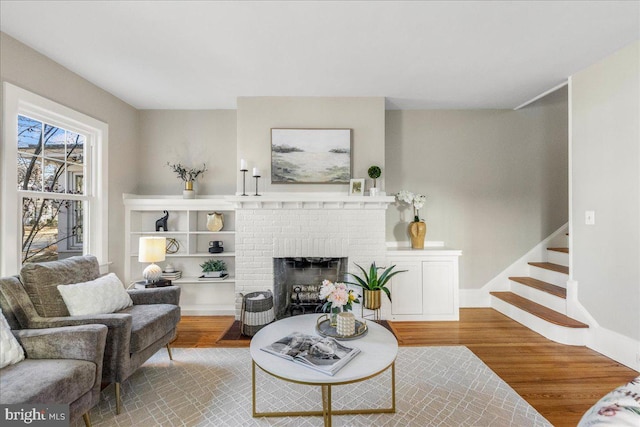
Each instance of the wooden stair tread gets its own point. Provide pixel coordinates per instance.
(563, 250)
(538, 310)
(541, 286)
(551, 266)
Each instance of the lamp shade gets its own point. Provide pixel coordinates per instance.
(152, 249)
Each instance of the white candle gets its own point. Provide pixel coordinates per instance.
(243, 165)
(256, 172)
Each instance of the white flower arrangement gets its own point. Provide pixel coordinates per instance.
(338, 296)
(414, 200)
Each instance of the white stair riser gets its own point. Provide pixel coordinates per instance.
(569, 336)
(543, 298)
(558, 258)
(549, 276)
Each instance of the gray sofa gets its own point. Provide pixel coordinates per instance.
(134, 334)
(61, 365)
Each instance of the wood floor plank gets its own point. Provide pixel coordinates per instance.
(559, 381)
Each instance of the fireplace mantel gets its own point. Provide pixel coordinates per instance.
(310, 201)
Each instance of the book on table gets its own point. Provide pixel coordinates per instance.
(143, 284)
(322, 354)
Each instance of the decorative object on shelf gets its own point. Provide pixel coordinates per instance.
(339, 298)
(256, 312)
(173, 246)
(256, 175)
(356, 187)
(152, 249)
(188, 176)
(417, 228)
(310, 156)
(243, 169)
(162, 222)
(374, 173)
(214, 268)
(215, 221)
(215, 247)
(372, 284)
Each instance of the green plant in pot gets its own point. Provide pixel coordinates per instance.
(214, 268)
(373, 284)
(374, 173)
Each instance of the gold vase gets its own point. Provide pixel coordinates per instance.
(188, 185)
(188, 192)
(417, 231)
(372, 300)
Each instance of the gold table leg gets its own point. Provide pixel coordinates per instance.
(327, 412)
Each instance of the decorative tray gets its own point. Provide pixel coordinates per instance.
(324, 329)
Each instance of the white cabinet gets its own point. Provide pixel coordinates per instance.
(428, 290)
(187, 227)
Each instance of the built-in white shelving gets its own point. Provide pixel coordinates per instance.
(187, 225)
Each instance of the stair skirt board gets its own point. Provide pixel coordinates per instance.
(559, 334)
(553, 277)
(543, 298)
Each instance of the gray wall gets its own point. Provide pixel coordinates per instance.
(496, 181)
(191, 138)
(257, 115)
(28, 69)
(606, 178)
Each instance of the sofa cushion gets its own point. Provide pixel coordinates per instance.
(103, 295)
(619, 408)
(46, 381)
(41, 280)
(150, 323)
(10, 350)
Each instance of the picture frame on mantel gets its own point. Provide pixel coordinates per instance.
(356, 187)
(311, 156)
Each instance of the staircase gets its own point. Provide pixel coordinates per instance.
(539, 301)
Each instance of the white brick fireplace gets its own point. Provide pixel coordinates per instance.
(305, 225)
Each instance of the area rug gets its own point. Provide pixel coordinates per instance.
(435, 386)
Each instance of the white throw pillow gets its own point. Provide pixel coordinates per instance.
(103, 295)
(10, 350)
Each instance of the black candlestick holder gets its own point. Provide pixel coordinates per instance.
(244, 176)
(256, 177)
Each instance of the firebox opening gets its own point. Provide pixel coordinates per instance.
(297, 281)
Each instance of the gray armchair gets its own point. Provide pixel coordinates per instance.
(61, 365)
(32, 301)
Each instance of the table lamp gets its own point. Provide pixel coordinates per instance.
(152, 249)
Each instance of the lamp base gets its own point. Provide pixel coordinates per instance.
(152, 273)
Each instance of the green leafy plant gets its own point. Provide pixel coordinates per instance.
(372, 281)
(374, 173)
(213, 265)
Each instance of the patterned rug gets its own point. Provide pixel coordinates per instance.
(435, 386)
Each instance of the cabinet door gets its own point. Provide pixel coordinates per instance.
(438, 283)
(406, 288)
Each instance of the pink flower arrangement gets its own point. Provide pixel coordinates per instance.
(338, 296)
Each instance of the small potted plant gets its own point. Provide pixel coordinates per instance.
(374, 173)
(214, 268)
(372, 284)
(188, 176)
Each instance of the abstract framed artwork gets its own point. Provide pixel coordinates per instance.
(310, 156)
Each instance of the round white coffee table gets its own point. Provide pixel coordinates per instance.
(378, 351)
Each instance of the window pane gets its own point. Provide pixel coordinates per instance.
(75, 148)
(51, 229)
(29, 135)
(29, 172)
(54, 142)
(54, 176)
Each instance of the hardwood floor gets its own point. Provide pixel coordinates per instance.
(560, 381)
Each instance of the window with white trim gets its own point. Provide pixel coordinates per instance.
(54, 190)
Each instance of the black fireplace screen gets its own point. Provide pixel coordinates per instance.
(297, 282)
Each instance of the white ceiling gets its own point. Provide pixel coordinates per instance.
(437, 54)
